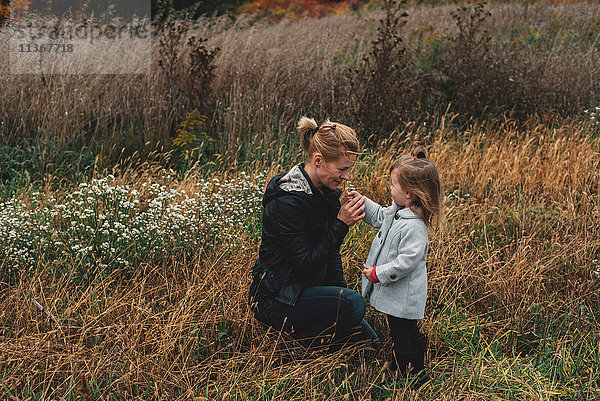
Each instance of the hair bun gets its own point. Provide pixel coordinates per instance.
(419, 153)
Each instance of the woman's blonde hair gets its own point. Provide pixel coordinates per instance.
(331, 139)
(419, 176)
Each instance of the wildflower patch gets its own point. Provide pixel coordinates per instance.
(102, 226)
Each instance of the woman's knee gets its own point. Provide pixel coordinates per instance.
(354, 306)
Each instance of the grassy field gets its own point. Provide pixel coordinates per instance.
(160, 312)
(130, 206)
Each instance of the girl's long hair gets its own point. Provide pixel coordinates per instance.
(419, 176)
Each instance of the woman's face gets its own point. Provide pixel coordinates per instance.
(331, 174)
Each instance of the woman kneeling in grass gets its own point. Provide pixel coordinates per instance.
(298, 283)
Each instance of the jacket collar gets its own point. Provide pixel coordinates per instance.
(328, 194)
(405, 212)
(296, 180)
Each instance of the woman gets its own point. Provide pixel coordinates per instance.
(298, 283)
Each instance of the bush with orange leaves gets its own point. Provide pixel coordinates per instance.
(8, 8)
(277, 10)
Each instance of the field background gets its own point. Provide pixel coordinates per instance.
(130, 204)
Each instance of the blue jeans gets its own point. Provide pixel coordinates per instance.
(323, 314)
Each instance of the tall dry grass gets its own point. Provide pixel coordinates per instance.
(297, 67)
(512, 309)
(268, 74)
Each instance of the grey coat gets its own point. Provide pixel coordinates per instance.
(398, 251)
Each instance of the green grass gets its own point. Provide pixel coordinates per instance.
(31, 163)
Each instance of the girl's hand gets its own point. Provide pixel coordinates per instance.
(351, 194)
(352, 211)
(368, 272)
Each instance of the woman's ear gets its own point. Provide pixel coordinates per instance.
(317, 159)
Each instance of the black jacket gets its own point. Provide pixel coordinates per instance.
(301, 238)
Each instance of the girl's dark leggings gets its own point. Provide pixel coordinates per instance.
(410, 345)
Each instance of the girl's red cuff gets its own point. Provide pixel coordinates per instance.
(374, 275)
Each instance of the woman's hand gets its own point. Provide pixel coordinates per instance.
(352, 210)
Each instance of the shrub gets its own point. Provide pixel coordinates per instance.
(381, 87)
(193, 144)
(187, 69)
(470, 70)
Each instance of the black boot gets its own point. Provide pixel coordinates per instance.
(401, 362)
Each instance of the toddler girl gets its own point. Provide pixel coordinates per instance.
(395, 276)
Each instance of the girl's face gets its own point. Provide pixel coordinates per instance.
(400, 197)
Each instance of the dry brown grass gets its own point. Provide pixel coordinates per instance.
(518, 255)
(268, 74)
